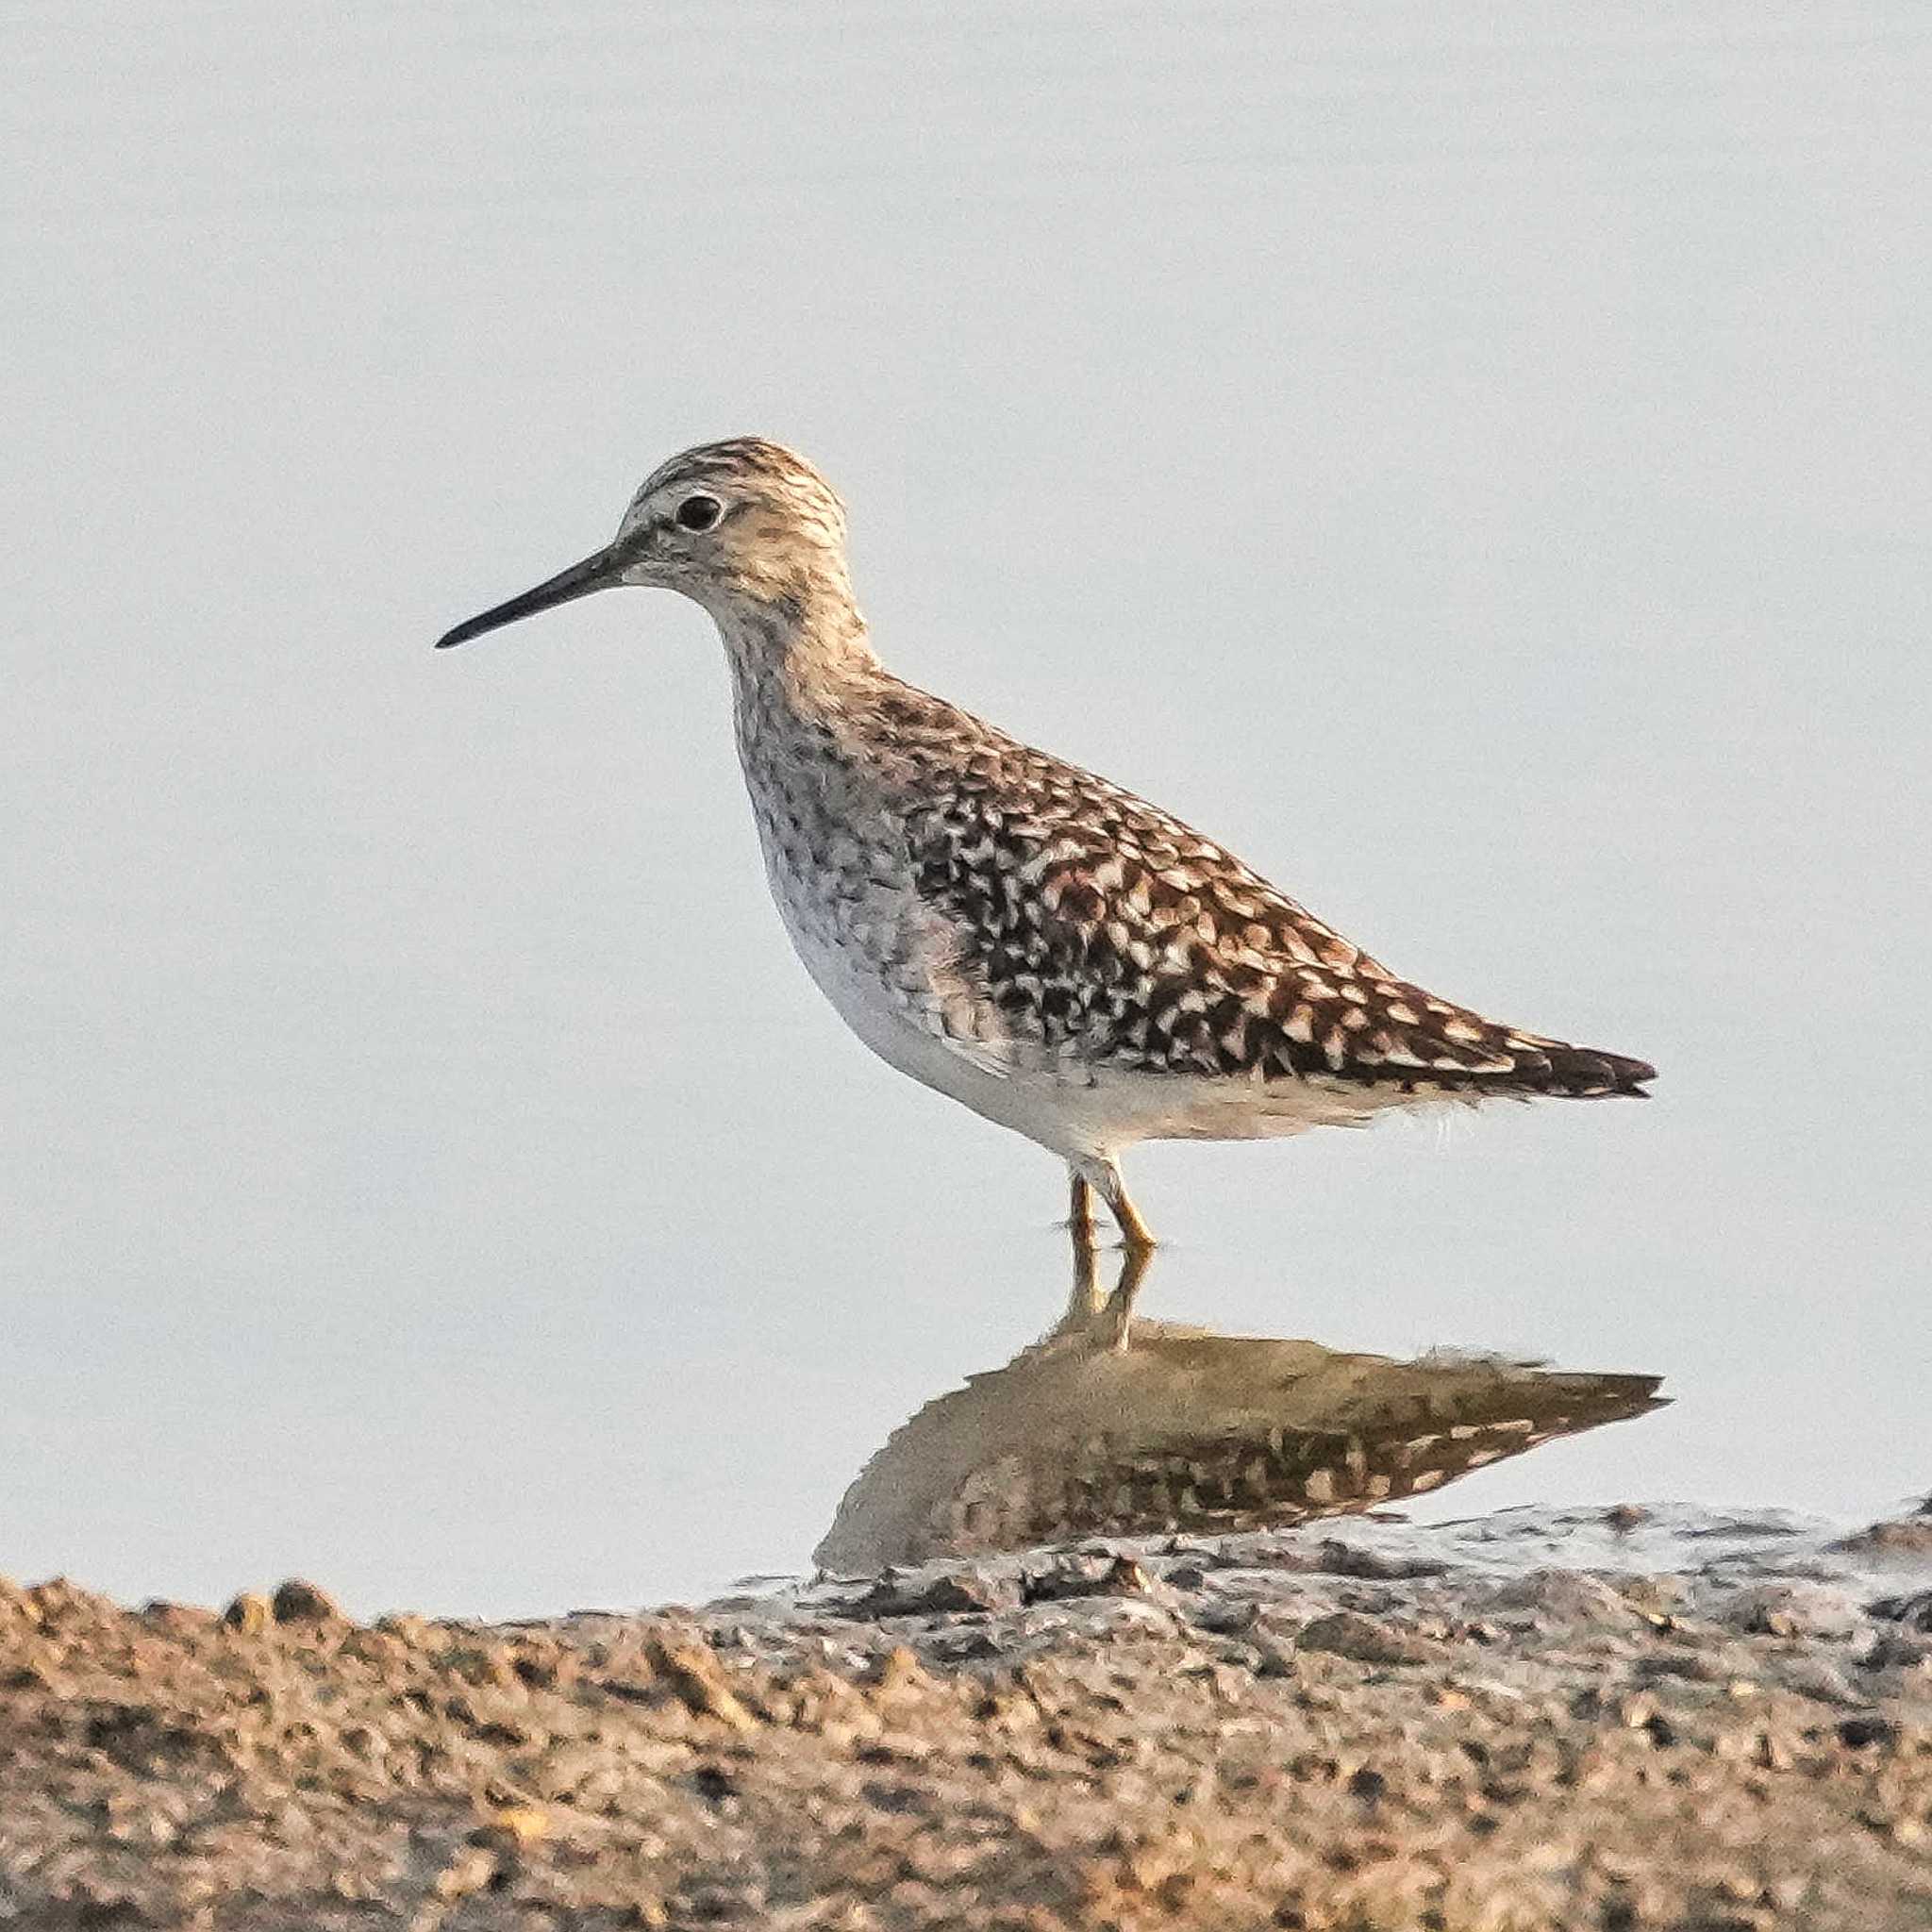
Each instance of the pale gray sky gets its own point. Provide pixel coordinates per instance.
(1471, 459)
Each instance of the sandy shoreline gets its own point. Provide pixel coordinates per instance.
(1383, 1729)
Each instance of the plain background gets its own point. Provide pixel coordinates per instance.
(1471, 459)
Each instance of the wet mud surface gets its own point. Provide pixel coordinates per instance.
(1534, 1719)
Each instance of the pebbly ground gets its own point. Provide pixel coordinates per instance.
(1632, 1720)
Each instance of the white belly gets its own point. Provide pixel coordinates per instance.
(1065, 1104)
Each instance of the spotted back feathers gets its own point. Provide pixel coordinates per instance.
(1105, 929)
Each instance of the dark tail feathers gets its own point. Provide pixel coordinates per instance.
(1583, 1071)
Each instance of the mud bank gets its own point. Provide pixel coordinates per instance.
(1639, 1719)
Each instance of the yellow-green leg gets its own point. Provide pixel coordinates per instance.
(1094, 1176)
(1080, 1209)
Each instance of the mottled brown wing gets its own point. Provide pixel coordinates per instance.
(1103, 928)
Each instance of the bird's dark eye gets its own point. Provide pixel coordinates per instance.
(699, 512)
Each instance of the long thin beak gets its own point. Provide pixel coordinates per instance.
(594, 573)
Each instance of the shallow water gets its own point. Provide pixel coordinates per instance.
(1470, 459)
(1115, 1425)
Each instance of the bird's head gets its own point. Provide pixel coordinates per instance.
(745, 527)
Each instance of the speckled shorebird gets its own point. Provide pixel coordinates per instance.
(1055, 952)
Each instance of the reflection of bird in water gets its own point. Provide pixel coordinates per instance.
(1049, 950)
(1122, 1426)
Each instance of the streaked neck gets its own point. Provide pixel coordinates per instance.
(802, 646)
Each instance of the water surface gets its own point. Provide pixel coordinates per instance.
(1471, 459)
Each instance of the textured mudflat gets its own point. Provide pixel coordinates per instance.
(1399, 1729)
